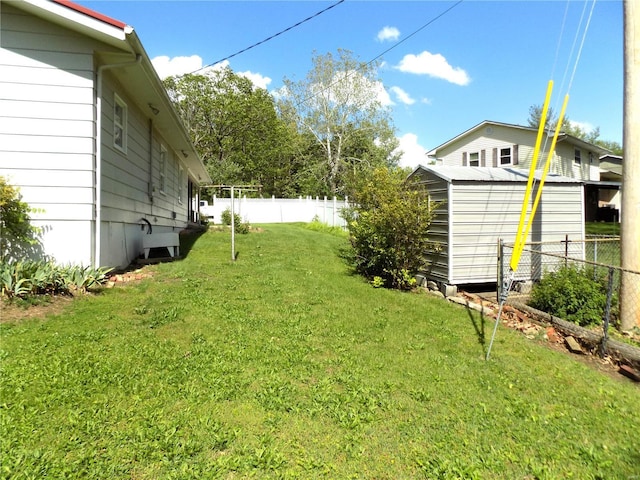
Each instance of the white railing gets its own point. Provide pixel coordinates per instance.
(281, 210)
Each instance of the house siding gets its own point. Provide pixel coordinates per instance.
(438, 267)
(479, 213)
(483, 213)
(488, 137)
(46, 129)
(48, 143)
(125, 178)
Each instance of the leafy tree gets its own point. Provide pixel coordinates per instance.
(234, 127)
(17, 235)
(337, 104)
(389, 227)
(535, 115)
(570, 128)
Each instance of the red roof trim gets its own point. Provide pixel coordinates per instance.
(91, 13)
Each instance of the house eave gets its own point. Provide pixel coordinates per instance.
(79, 19)
(166, 121)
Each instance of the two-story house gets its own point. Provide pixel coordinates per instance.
(495, 144)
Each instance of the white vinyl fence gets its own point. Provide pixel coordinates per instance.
(281, 210)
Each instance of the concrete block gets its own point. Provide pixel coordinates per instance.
(448, 290)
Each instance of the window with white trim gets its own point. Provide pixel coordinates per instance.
(180, 184)
(474, 159)
(119, 124)
(162, 169)
(577, 157)
(505, 156)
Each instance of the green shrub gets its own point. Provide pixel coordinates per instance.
(240, 226)
(81, 278)
(28, 278)
(572, 293)
(388, 228)
(16, 232)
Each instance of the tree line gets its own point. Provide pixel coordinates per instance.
(313, 137)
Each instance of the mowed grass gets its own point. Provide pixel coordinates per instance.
(602, 228)
(285, 365)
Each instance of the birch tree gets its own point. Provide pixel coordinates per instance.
(340, 105)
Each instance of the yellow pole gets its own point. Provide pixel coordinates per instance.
(520, 238)
(546, 168)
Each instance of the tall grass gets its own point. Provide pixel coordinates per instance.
(283, 364)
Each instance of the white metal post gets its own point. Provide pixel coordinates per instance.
(233, 229)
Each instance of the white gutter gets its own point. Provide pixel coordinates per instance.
(98, 149)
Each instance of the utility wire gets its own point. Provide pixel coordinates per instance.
(272, 36)
(584, 36)
(442, 14)
(415, 32)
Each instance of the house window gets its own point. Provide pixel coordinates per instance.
(180, 185)
(591, 158)
(474, 159)
(119, 124)
(505, 156)
(577, 159)
(162, 169)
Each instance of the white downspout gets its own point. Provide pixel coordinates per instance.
(98, 152)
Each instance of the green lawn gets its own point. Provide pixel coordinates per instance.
(285, 365)
(602, 228)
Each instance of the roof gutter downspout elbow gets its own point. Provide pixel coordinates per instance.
(98, 151)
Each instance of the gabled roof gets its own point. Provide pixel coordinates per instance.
(488, 124)
(140, 81)
(490, 174)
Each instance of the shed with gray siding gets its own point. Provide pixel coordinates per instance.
(479, 206)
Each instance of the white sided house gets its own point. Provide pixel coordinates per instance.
(478, 206)
(495, 144)
(89, 135)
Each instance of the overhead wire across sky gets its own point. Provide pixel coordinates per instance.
(272, 36)
(396, 45)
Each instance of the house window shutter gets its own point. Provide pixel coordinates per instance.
(483, 158)
(495, 157)
(515, 155)
(464, 159)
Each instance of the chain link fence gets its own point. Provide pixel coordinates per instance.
(615, 300)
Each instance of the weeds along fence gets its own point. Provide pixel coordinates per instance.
(595, 257)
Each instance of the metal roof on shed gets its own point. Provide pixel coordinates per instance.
(490, 174)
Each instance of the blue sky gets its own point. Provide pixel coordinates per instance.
(482, 60)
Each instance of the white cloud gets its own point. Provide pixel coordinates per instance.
(584, 126)
(434, 65)
(167, 67)
(257, 79)
(402, 96)
(382, 95)
(388, 34)
(413, 154)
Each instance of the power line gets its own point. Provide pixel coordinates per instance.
(415, 32)
(442, 14)
(272, 36)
